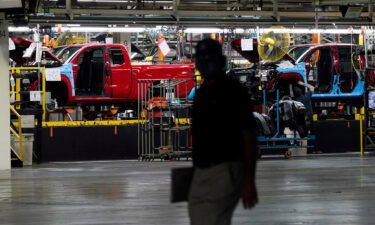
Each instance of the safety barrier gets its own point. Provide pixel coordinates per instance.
(19, 73)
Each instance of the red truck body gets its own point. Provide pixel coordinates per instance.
(118, 78)
(99, 73)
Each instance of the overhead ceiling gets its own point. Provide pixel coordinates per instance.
(206, 12)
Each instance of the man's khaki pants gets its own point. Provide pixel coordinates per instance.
(214, 193)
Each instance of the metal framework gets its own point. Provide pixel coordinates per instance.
(163, 109)
(279, 140)
(20, 73)
(191, 12)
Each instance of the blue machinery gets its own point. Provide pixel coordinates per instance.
(279, 140)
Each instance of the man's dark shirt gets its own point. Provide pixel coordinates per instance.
(221, 111)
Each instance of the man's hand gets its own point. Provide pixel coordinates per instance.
(249, 194)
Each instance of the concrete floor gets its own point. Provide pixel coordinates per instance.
(316, 190)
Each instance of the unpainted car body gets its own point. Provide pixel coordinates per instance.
(334, 70)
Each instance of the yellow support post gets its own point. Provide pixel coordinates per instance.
(20, 137)
(18, 95)
(362, 112)
(43, 93)
(360, 39)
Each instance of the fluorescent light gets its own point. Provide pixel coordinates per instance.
(6, 4)
(236, 31)
(103, 29)
(77, 28)
(275, 30)
(203, 30)
(341, 31)
(311, 31)
(19, 29)
(127, 29)
(84, 29)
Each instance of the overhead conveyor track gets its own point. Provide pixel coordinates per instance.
(182, 12)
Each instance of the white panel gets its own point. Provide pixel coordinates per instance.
(4, 95)
(5, 4)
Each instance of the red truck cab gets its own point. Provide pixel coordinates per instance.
(102, 73)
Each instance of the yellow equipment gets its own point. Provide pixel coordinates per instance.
(68, 38)
(16, 88)
(272, 46)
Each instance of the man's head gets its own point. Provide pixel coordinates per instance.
(209, 57)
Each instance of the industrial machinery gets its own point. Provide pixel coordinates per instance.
(164, 115)
(69, 38)
(334, 81)
(277, 76)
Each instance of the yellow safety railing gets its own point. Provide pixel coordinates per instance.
(18, 134)
(15, 90)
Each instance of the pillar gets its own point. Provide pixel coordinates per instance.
(125, 39)
(4, 95)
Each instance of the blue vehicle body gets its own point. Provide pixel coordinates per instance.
(335, 92)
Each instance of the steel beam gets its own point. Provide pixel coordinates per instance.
(371, 11)
(176, 4)
(113, 12)
(342, 2)
(276, 11)
(187, 23)
(116, 12)
(69, 9)
(186, 5)
(224, 13)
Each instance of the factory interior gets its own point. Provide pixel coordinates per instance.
(99, 97)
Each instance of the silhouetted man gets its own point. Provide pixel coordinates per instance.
(224, 142)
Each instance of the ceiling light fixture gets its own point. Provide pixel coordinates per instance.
(203, 30)
(19, 29)
(312, 31)
(103, 29)
(266, 30)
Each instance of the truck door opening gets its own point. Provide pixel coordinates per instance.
(91, 73)
(321, 62)
(348, 76)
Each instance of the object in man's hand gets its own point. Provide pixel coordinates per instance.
(180, 183)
